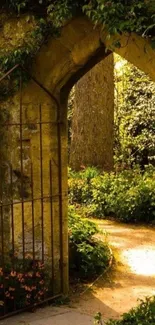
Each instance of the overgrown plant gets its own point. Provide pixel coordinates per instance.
(144, 314)
(88, 256)
(115, 16)
(126, 195)
(118, 16)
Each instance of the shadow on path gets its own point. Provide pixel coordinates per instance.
(133, 276)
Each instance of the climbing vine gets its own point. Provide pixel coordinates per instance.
(117, 16)
(123, 16)
(24, 56)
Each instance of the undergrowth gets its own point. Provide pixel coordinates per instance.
(127, 195)
(88, 256)
(144, 314)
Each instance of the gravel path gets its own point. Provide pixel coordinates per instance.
(132, 278)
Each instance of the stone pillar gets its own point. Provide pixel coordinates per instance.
(39, 220)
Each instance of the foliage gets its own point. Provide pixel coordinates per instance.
(127, 195)
(117, 16)
(88, 257)
(24, 56)
(144, 314)
(79, 185)
(22, 283)
(98, 319)
(134, 117)
(25, 283)
(122, 16)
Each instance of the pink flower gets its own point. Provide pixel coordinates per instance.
(41, 282)
(38, 275)
(13, 273)
(33, 287)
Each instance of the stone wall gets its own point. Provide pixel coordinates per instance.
(58, 65)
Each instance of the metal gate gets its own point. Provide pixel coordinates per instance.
(31, 238)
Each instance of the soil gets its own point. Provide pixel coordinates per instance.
(132, 276)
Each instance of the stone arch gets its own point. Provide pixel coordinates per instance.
(58, 65)
(62, 61)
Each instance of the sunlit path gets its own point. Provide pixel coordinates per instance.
(133, 276)
(141, 261)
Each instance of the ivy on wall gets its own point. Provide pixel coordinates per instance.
(117, 15)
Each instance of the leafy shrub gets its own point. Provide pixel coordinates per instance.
(80, 184)
(128, 195)
(144, 314)
(88, 257)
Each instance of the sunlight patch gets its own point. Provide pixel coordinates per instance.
(141, 261)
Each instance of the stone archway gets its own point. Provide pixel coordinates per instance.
(63, 61)
(59, 64)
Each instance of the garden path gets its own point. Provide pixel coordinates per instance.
(131, 278)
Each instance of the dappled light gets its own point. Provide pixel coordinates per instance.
(141, 261)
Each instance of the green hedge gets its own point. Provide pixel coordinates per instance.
(128, 196)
